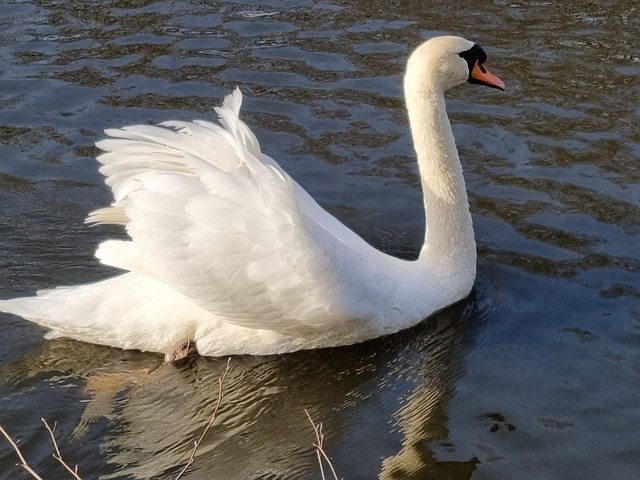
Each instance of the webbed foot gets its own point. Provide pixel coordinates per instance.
(181, 352)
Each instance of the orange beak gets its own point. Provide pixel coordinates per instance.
(485, 77)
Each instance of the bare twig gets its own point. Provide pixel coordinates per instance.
(57, 455)
(196, 444)
(320, 447)
(23, 463)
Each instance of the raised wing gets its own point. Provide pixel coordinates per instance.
(213, 218)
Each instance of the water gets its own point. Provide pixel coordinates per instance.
(536, 375)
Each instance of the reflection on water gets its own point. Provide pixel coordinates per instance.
(533, 377)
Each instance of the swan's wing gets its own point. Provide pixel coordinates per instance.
(212, 217)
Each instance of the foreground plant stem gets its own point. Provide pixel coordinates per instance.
(23, 463)
(197, 443)
(57, 455)
(317, 428)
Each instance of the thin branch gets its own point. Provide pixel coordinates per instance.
(57, 455)
(319, 441)
(23, 463)
(196, 444)
(319, 446)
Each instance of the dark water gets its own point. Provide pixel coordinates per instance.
(535, 376)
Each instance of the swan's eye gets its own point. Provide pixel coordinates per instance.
(475, 53)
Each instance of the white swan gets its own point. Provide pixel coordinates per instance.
(228, 251)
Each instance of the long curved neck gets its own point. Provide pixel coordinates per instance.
(449, 240)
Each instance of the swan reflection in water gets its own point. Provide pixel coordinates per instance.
(131, 417)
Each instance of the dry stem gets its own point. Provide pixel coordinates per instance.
(23, 463)
(319, 447)
(196, 444)
(57, 455)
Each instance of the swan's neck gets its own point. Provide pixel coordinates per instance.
(449, 245)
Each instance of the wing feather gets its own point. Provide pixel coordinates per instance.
(215, 219)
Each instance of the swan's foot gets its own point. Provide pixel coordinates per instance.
(181, 352)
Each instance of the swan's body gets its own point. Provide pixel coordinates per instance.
(226, 249)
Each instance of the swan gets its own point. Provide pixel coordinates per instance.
(227, 252)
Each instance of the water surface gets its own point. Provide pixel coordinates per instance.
(535, 375)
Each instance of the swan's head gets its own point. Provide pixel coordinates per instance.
(447, 62)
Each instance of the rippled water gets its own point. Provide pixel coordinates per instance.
(536, 375)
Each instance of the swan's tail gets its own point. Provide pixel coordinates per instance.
(130, 311)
